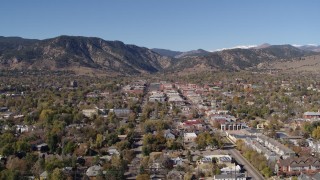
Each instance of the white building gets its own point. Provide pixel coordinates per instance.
(90, 112)
(189, 137)
(93, 171)
(314, 145)
(275, 146)
(157, 97)
(24, 128)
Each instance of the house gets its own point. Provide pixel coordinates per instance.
(293, 139)
(122, 137)
(255, 145)
(175, 98)
(93, 171)
(297, 165)
(275, 146)
(3, 160)
(311, 115)
(238, 176)
(154, 87)
(157, 176)
(169, 135)
(121, 112)
(73, 84)
(221, 119)
(232, 126)
(6, 115)
(174, 174)
(185, 110)
(314, 145)
(134, 89)
(231, 168)
(226, 160)
(4, 109)
(105, 158)
(189, 137)
(204, 160)
(113, 151)
(165, 85)
(90, 112)
(177, 161)
(18, 116)
(44, 175)
(194, 124)
(43, 147)
(92, 95)
(24, 128)
(157, 97)
(309, 177)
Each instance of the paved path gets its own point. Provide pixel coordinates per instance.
(252, 171)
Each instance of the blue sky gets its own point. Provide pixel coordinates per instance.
(171, 24)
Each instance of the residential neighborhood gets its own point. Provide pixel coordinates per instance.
(231, 128)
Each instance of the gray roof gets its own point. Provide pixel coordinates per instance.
(277, 144)
(93, 170)
(309, 177)
(229, 176)
(311, 113)
(44, 174)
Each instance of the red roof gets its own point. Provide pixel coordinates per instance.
(192, 122)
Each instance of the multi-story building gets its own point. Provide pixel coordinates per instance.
(296, 165)
(275, 146)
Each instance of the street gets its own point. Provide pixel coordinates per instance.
(252, 171)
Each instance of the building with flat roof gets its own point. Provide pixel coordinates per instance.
(189, 137)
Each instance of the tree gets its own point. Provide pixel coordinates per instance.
(188, 176)
(114, 173)
(176, 110)
(206, 139)
(143, 177)
(112, 138)
(195, 113)
(69, 148)
(99, 140)
(153, 143)
(217, 125)
(22, 145)
(14, 163)
(189, 156)
(122, 145)
(316, 133)
(10, 174)
(240, 144)
(128, 155)
(267, 172)
(7, 150)
(52, 140)
(112, 118)
(173, 144)
(53, 163)
(57, 174)
(46, 115)
(167, 162)
(201, 140)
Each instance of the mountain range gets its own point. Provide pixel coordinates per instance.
(179, 54)
(314, 48)
(82, 54)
